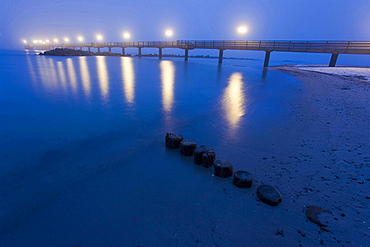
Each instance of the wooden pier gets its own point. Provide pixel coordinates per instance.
(333, 47)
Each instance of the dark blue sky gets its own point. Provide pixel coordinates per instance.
(189, 19)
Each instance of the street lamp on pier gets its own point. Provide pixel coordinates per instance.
(126, 35)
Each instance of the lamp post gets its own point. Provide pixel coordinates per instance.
(242, 30)
(168, 33)
(126, 35)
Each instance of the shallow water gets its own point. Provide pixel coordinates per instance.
(76, 132)
(50, 103)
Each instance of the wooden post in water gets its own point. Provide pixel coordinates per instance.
(123, 51)
(220, 56)
(160, 53)
(139, 48)
(333, 59)
(186, 54)
(110, 49)
(88, 48)
(267, 59)
(98, 49)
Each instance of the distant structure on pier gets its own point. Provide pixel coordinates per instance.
(333, 47)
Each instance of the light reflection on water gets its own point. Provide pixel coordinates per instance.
(128, 78)
(103, 76)
(85, 76)
(53, 74)
(62, 75)
(168, 81)
(72, 75)
(233, 101)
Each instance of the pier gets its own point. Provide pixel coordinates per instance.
(333, 47)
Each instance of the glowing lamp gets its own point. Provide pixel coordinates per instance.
(126, 35)
(242, 30)
(66, 39)
(80, 38)
(169, 33)
(56, 40)
(99, 37)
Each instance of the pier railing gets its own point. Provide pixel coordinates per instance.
(333, 47)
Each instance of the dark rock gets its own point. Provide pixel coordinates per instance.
(242, 179)
(198, 154)
(269, 195)
(173, 141)
(208, 158)
(187, 147)
(205, 156)
(223, 168)
(72, 52)
(317, 215)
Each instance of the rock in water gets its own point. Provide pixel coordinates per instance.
(223, 168)
(318, 215)
(205, 156)
(242, 179)
(208, 158)
(198, 154)
(187, 147)
(269, 195)
(173, 141)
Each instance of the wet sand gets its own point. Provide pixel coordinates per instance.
(142, 194)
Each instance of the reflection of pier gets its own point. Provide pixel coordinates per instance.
(333, 47)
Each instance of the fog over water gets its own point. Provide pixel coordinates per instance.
(189, 19)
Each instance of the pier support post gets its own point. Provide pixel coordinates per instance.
(123, 51)
(110, 49)
(98, 49)
(139, 55)
(81, 48)
(267, 59)
(186, 54)
(88, 48)
(160, 53)
(220, 56)
(333, 59)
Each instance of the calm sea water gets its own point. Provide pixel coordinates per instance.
(51, 105)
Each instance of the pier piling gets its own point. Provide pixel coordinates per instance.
(333, 59)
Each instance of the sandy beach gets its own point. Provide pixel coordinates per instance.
(104, 191)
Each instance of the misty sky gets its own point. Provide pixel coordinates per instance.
(189, 19)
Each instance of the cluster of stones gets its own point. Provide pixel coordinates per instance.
(206, 157)
(71, 52)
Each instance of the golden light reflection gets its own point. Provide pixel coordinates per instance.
(43, 73)
(233, 100)
(103, 76)
(32, 71)
(85, 76)
(128, 78)
(53, 73)
(62, 75)
(72, 75)
(168, 81)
